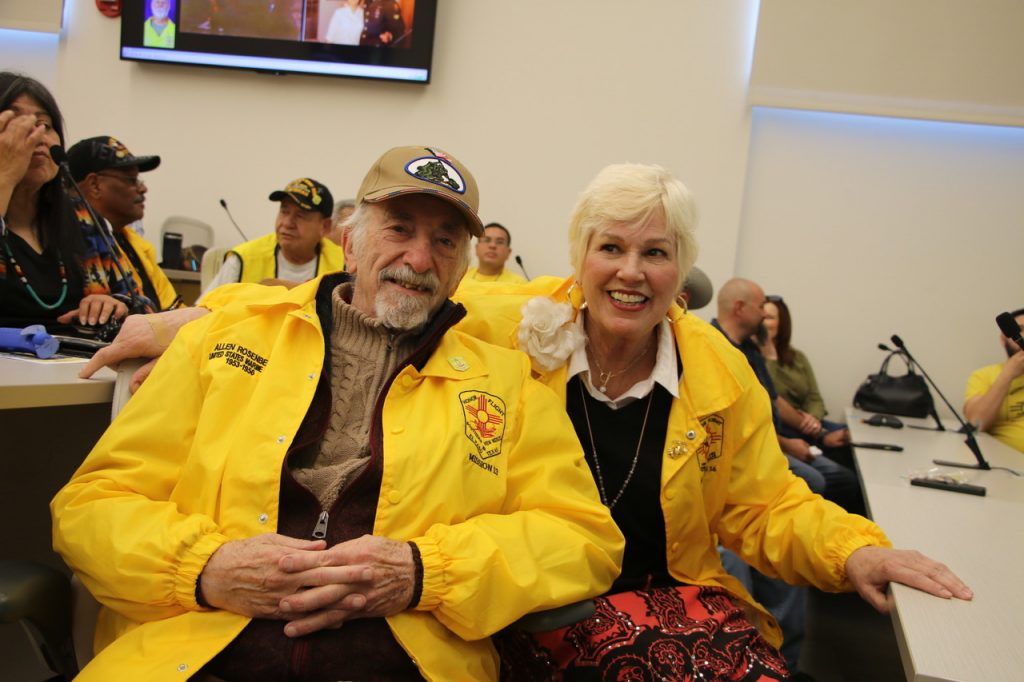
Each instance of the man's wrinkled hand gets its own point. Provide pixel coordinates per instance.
(379, 581)
(141, 336)
(244, 576)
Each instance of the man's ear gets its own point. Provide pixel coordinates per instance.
(347, 247)
(91, 185)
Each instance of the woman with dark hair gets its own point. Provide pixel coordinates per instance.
(793, 375)
(51, 260)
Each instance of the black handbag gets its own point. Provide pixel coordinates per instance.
(906, 395)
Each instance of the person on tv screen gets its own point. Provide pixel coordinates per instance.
(159, 29)
(346, 25)
(383, 25)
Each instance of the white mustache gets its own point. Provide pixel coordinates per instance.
(408, 277)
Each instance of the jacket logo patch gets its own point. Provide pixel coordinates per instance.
(485, 425)
(711, 449)
(236, 355)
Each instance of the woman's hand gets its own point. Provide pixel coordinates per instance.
(871, 569)
(809, 424)
(19, 136)
(95, 309)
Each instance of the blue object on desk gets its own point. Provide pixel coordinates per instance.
(34, 339)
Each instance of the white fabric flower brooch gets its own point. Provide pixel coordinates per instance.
(547, 334)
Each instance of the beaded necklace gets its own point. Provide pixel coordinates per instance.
(28, 287)
(597, 461)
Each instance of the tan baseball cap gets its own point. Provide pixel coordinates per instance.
(423, 170)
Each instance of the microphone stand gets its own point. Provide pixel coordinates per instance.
(136, 303)
(224, 205)
(965, 428)
(519, 262)
(911, 363)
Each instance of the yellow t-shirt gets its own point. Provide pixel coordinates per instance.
(1009, 426)
(505, 275)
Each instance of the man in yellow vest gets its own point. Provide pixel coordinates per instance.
(297, 250)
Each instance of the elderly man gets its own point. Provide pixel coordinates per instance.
(297, 250)
(335, 455)
(110, 178)
(994, 399)
(159, 30)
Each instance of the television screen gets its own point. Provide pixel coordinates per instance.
(383, 39)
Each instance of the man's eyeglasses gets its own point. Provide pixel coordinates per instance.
(497, 241)
(135, 180)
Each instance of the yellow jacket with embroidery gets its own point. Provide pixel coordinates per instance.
(481, 470)
(259, 258)
(724, 479)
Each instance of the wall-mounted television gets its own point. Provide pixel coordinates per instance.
(377, 39)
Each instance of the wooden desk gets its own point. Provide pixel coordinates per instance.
(49, 420)
(25, 382)
(186, 283)
(980, 538)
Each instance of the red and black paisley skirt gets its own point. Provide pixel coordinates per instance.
(677, 633)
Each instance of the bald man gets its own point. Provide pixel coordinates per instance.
(740, 317)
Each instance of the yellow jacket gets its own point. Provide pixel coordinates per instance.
(147, 254)
(723, 479)
(259, 258)
(507, 522)
(506, 275)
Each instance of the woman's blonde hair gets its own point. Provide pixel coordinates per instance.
(633, 193)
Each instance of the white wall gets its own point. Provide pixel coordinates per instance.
(870, 227)
(867, 226)
(533, 98)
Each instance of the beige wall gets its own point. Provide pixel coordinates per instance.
(867, 229)
(535, 102)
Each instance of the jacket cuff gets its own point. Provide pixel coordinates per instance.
(846, 546)
(193, 560)
(431, 573)
(417, 587)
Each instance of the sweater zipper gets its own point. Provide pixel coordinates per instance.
(320, 529)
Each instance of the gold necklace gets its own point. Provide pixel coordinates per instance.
(605, 377)
(597, 462)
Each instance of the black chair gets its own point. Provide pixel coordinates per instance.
(39, 598)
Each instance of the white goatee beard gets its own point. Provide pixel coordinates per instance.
(405, 312)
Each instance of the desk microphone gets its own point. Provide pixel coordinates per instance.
(965, 428)
(224, 205)
(1010, 329)
(519, 262)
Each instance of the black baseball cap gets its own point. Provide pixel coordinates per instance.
(95, 154)
(309, 194)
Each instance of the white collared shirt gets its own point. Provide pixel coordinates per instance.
(665, 369)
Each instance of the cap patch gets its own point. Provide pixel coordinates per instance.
(437, 171)
(306, 189)
(113, 145)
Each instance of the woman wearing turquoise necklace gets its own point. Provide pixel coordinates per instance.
(41, 243)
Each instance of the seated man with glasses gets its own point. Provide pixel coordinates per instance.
(108, 175)
(492, 250)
